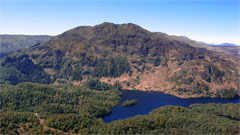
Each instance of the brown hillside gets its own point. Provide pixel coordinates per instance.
(135, 57)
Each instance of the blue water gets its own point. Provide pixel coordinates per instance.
(149, 101)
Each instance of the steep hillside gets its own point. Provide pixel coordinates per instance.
(11, 43)
(130, 55)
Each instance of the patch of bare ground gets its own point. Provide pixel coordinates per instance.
(153, 81)
(41, 121)
(49, 71)
(20, 130)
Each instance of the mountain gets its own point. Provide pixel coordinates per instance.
(185, 37)
(220, 45)
(212, 44)
(227, 44)
(12, 43)
(231, 51)
(130, 55)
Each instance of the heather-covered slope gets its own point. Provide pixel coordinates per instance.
(131, 55)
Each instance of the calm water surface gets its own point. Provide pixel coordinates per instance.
(149, 101)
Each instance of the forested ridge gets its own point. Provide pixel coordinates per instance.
(30, 108)
(198, 119)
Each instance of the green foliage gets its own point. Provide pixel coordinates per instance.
(143, 68)
(59, 106)
(230, 110)
(117, 85)
(19, 69)
(113, 67)
(176, 120)
(187, 57)
(75, 122)
(77, 75)
(130, 102)
(130, 73)
(95, 84)
(227, 93)
(182, 90)
(212, 74)
(72, 109)
(198, 88)
(157, 61)
(10, 121)
(26, 97)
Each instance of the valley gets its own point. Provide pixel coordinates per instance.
(119, 79)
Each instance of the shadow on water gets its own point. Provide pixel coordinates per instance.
(152, 100)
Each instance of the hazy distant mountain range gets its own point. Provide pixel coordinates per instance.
(11, 43)
(212, 44)
(223, 44)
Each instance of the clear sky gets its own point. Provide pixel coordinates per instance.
(208, 21)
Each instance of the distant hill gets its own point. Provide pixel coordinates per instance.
(11, 43)
(230, 50)
(212, 44)
(220, 45)
(185, 37)
(228, 44)
(128, 54)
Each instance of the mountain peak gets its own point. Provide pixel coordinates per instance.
(144, 60)
(106, 24)
(124, 26)
(113, 24)
(106, 29)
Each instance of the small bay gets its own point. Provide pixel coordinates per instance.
(152, 100)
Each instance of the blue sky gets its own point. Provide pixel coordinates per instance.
(208, 21)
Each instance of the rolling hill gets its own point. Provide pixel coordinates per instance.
(12, 43)
(128, 54)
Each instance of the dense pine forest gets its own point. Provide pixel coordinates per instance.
(37, 108)
(30, 108)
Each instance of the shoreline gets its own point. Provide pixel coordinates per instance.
(180, 96)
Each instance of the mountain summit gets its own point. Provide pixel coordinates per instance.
(130, 55)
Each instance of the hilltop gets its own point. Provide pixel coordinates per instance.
(128, 54)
